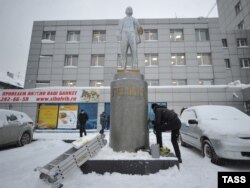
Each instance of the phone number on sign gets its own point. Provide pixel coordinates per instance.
(14, 99)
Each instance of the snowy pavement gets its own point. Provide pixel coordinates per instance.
(17, 166)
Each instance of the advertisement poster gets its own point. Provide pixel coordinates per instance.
(47, 116)
(67, 117)
(49, 96)
(90, 96)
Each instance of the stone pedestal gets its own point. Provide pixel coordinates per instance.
(129, 99)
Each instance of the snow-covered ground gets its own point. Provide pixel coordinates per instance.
(17, 166)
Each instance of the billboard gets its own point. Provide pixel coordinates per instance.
(47, 117)
(48, 95)
(67, 117)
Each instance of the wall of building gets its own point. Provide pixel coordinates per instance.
(165, 73)
(234, 54)
(228, 17)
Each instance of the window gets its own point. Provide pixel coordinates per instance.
(129, 60)
(69, 83)
(224, 42)
(179, 82)
(97, 60)
(187, 115)
(176, 35)
(71, 60)
(42, 82)
(46, 58)
(204, 59)
(178, 59)
(49, 36)
(241, 25)
(73, 36)
(206, 82)
(153, 82)
(202, 34)
(151, 34)
(245, 62)
(99, 36)
(96, 83)
(151, 60)
(238, 8)
(227, 62)
(242, 42)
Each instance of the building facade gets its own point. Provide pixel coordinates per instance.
(86, 53)
(186, 61)
(234, 19)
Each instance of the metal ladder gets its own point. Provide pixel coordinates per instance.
(54, 172)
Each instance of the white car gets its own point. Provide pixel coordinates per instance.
(220, 132)
(15, 128)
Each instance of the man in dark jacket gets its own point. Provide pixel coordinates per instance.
(102, 122)
(82, 118)
(167, 120)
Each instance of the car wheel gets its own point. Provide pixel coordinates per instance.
(25, 139)
(208, 152)
(184, 144)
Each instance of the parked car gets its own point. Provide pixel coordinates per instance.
(219, 132)
(15, 128)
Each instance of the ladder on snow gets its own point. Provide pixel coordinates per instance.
(55, 171)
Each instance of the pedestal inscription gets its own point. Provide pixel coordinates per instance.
(129, 97)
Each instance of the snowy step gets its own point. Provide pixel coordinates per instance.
(142, 167)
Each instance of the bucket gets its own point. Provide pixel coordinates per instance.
(155, 150)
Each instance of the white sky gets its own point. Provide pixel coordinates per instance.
(17, 16)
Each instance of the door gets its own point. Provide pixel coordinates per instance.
(11, 128)
(188, 131)
(91, 109)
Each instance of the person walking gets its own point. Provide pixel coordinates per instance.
(82, 118)
(107, 121)
(167, 120)
(102, 122)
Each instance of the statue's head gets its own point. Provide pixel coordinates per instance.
(129, 11)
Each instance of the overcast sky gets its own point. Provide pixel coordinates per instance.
(17, 16)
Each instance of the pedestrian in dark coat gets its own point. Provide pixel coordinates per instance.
(83, 118)
(167, 120)
(102, 122)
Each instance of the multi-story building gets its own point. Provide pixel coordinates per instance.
(187, 61)
(86, 53)
(234, 19)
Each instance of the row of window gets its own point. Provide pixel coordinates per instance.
(244, 63)
(97, 60)
(241, 42)
(150, 59)
(99, 83)
(149, 35)
(238, 9)
(175, 35)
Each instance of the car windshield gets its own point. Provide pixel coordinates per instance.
(220, 112)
